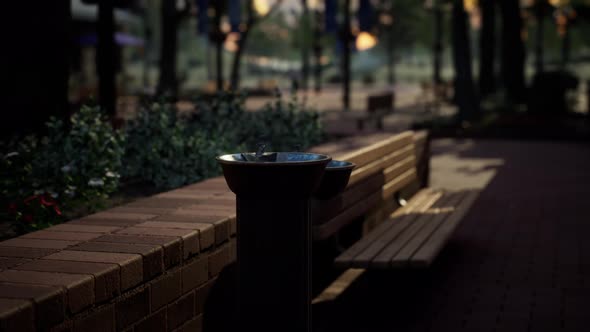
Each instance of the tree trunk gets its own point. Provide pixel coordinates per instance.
(465, 96)
(540, 16)
(218, 37)
(487, 46)
(391, 57)
(235, 72)
(105, 57)
(317, 51)
(345, 37)
(305, 46)
(513, 54)
(565, 47)
(35, 69)
(168, 84)
(438, 42)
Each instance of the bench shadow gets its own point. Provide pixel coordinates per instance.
(399, 300)
(220, 309)
(376, 301)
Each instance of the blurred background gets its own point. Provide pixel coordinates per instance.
(106, 101)
(67, 53)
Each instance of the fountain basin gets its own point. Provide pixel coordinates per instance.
(274, 174)
(335, 179)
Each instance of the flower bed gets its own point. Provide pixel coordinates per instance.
(77, 166)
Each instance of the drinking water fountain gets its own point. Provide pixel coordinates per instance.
(273, 206)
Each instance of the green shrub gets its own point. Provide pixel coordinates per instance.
(165, 150)
(283, 126)
(287, 126)
(75, 167)
(68, 171)
(170, 151)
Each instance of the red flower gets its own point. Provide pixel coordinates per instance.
(28, 218)
(12, 208)
(47, 201)
(57, 210)
(28, 200)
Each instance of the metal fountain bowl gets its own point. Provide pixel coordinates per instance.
(335, 179)
(273, 175)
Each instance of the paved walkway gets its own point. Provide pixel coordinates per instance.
(330, 98)
(520, 261)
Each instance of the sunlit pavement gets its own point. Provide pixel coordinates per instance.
(330, 97)
(410, 106)
(520, 261)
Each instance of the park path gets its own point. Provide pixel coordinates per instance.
(520, 261)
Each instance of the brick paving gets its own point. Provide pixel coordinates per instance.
(520, 261)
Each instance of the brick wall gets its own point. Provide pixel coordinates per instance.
(144, 266)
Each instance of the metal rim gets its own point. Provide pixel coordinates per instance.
(322, 159)
(347, 165)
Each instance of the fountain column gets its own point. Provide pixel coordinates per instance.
(274, 250)
(274, 237)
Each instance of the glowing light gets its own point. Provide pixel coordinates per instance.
(386, 19)
(558, 3)
(231, 42)
(314, 4)
(469, 5)
(225, 26)
(475, 18)
(365, 41)
(262, 7)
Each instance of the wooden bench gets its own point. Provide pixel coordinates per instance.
(378, 106)
(366, 114)
(434, 95)
(414, 235)
(405, 224)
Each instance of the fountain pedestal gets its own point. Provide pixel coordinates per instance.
(274, 238)
(274, 268)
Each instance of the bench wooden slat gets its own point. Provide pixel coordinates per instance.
(434, 220)
(330, 227)
(417, 201)
(391, 187)
(377, 166)
(373, 256)
(421, 219)
(381, 101)
(359, 199)
(397, 169)
(368, 154)
(383, 168)
(426, 254)
(410, 205)
(376, 182)
(339, 148)
(366, 256)
(326, 210)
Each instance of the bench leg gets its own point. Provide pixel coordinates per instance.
(380, 123)
(360, 124)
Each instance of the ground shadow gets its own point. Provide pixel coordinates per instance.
(220, 309)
